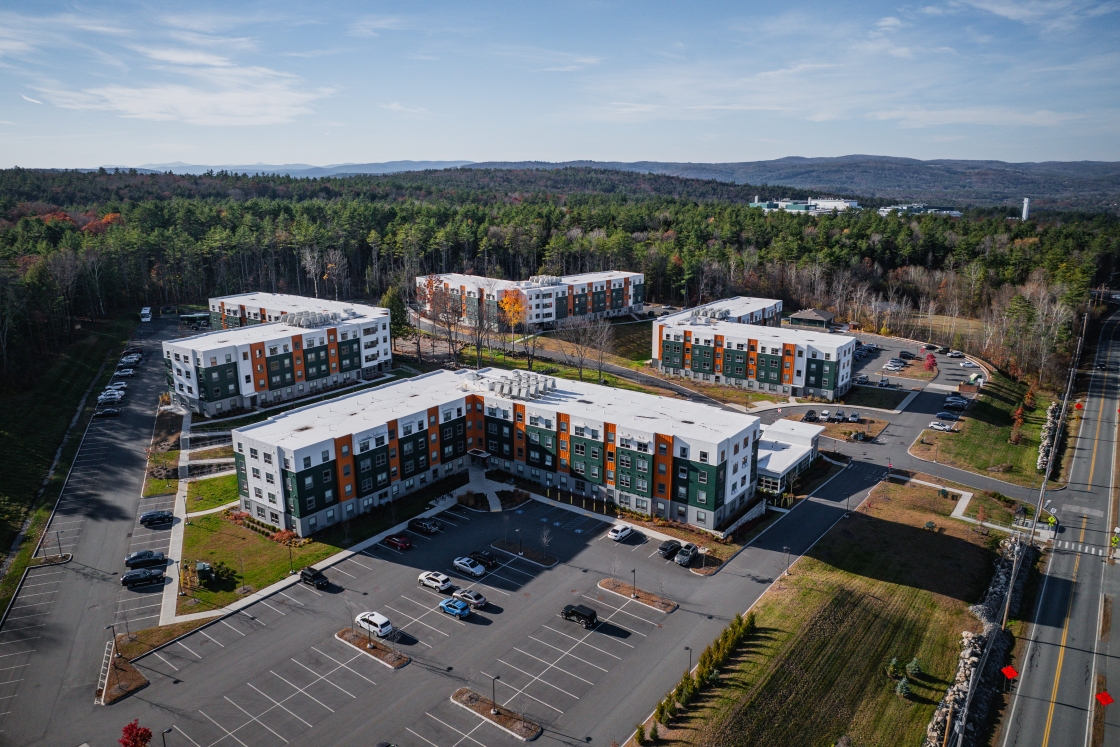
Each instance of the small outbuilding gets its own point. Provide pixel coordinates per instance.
(812, 318)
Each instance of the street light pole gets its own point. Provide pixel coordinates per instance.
(291, 565)
(164, 734)
(494, 694)
(689, 650)
(519, 551)
(634, 585)
(786, 549)
(58, 537)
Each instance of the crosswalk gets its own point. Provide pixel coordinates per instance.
(1078, 547)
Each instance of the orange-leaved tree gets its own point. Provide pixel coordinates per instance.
(513, 309)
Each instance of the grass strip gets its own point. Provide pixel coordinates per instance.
(211, 492)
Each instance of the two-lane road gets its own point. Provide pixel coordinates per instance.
(1051, 707)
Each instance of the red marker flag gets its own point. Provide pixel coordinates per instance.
(1105, 698)
(1009, 672)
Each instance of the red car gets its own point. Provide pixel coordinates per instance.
(398, 541)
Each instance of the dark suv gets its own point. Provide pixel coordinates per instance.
(426, 526)
(668, 548)
(585, 616)
(315, 578)
(485, 557)
(156, 518)
(142, 577)
(145, 558)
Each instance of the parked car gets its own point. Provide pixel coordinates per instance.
(839, 416)
(470, 567)
(107, 412)
(425, 526)
(455, 608)
(862, 379)
(668, 548)
(314, 577)
(119, 386)
(145, 559)
(585, 616)
(434, 580)
(968, 364)
(891, 367)
(956, 354)
(142, 577)
(620, 532)
(854, 417)
(485, 557)
(937, 425)
(686, 554)
(155, 518)
(943, 350)
(929, 346)
(954, 405)
(111, 396)
(884, 382)
(471, 597)
(375, 623)
(125, 372)
(956, 398)
(1101, 367)
(398, 541)
(133, 351)
(947, 416)
(906, 355)
(824, 416)
(810, 416)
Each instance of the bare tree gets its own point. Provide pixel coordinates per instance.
(65, 269)
(312, 262)
(337, 268)
(483, 321)
(602, 343)
(446, 309)
(578, 335)
(546, 538)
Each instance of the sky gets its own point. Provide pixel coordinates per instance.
(133, 83)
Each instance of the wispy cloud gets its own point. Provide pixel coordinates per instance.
(978, 115)
(33, 101)
(548, 60)
(402, 109)
(1051, 14)
(371, 25)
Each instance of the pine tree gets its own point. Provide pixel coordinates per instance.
(902, 689)
(914, 668)
(639, 734)
(892, 669)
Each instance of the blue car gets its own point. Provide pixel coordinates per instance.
(455, 607)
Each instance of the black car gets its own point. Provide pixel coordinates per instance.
(425, 526)
(315, 578)
(810, 416)
(145, 558)
(108, 412)
(585, 616)
(157, 518)
(906, 355)
(948, 416)
(668, 548)
(133, 350)
(1101, 367)
(955, 405)
(142, 577)
(484, 557)
(930, 346)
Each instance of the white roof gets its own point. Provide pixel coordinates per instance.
(776, 458)
(792, 431)
(736, 307)
(776, 335)
(597, 277)
(246, 335)
(360, 411)
(290, 304)
(471, 282)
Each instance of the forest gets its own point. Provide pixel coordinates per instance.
(78, 245)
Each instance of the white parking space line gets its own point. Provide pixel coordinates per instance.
(227, 731)
(303, 690)
(324, 678)
(585, 643)
(254, 718)
(188, 736)
(570, 656)
(424, 738)
(18, 653)
(542, 661)
(363, 565)
(192, 653)
(165, 661)
(465, 735)
(24, 617)
(381, 546)
(301, 604)
(415, 534)
(619, 609)
(243, 612)
(344, 573)
(348, 669)
(141, 607)
(266, 604)
(235, 630)
(416, 620)
(509, 565)
(215, 640)
(39, 593)
(278, 703)
(527, 695)
(32, 604)
(19, 640)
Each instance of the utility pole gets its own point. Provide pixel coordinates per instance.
(689, 650)
(494, 694)
(634, 585)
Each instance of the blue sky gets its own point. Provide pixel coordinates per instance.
(283, 82)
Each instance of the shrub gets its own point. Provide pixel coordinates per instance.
(931, 362)
(902, 689)
(653, 735)
(639, 734)
(892, 669)
(914, 668)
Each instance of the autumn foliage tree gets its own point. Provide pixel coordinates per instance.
(513, 310)
(931, 362)
(134, 735)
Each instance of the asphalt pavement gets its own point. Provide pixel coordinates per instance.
(52, 643)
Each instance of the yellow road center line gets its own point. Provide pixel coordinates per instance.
(1062, 647)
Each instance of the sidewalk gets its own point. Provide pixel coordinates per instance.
(1044, 535)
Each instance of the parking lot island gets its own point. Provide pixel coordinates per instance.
(641, 596)
(507, 720)
(371, 646)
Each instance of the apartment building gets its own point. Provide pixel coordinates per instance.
(776, 360)
(550, 299)
(311, 467)
(297, 348)
(740, 310)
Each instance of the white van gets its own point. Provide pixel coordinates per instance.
(375, 623)
(825, 416)
(146, 314)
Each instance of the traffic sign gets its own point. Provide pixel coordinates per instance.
(1104, 698)
(1009, 672)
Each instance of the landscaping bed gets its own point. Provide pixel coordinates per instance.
(649, 599)
(169, 426)
(869, 427)
(473, 500)
(513, 498)
(985, 445)
(371, 646)
(123, 680)
(217, 452)
(135, 644)
(877, 587)
(873, 396)
(535, 556)
(996, 508)
(162, 474)
(505, 718)
(211, 492)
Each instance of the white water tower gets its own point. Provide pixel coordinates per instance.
(1026, 208)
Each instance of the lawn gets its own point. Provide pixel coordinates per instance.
(983, 444)
(633, 340)
(877, 587)
(211, 493)
(218, 452)
(258, 562)
(997, 508)
(873, 396)
(728, 394)
(33, 421)
(502, 359)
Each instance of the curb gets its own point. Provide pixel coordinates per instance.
(495, 723)
(970, 472)
(638, 601)
(522, 557)
(347, 644)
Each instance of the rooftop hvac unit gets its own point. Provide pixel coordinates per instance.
(490, 385)
(535, 390)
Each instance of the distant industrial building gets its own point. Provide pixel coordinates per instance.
(918, 208)
(812, 206)
(550, 299)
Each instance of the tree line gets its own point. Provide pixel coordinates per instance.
(87, 244)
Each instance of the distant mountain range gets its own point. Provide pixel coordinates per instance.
(1053, 184)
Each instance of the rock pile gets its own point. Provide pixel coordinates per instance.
(1049, 432)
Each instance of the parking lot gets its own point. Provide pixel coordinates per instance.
(275, 671)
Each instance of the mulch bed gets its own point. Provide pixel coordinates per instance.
(528, 553)
(505, 718)
(661, 604)
(166, 435)
(380, 651)
(513, 498)
(124, 679)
